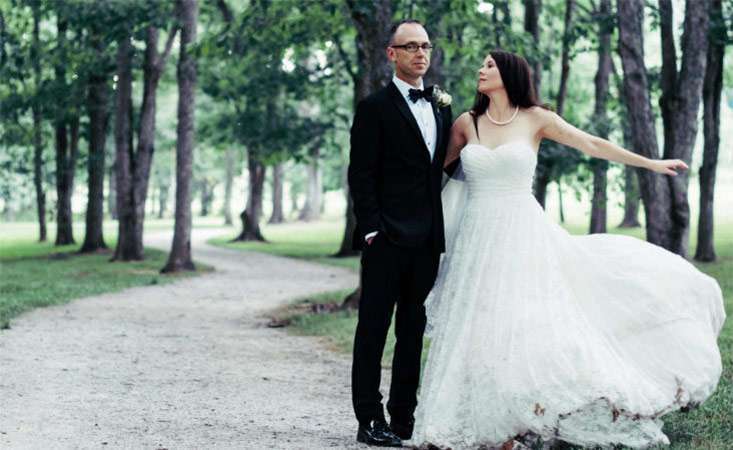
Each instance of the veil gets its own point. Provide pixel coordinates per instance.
(453, 195)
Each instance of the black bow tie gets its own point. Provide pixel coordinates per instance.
(417, 94)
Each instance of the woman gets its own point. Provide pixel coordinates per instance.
(540, 334)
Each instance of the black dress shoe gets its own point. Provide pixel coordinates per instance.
(378, 434)
(403, 430)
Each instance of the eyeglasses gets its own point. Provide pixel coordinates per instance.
(413, 46)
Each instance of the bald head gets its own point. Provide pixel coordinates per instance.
(405, 29)
(409, 50)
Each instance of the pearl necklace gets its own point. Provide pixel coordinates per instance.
(506, 121)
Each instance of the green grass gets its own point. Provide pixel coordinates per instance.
(315, 241)
(34, 274)
(708, 427)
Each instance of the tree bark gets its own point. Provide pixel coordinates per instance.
(631, 181)
(655, 190)
(67, 151)
(163, 191)
(97, 97)
(565, 58)
(598, 215)
(38, 126)
(228, 183)
(294, 193)
(128, 248)
(544, 170)
(277, 194)
(680, 103)
(631, 199)
(67, 130)
(712, 88)
(252, 213)
(112, 193)
(207, 196)
(143, 158)
(180, 256)
(133, 167)
(560, 204)
(438, 30)
(532, 11)
(312, 208)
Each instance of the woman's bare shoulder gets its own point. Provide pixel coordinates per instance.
(462, 122)
(464, 119)
(540, 116)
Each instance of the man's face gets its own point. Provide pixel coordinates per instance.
(408, 64)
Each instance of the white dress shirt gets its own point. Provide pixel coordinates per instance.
(422, 110)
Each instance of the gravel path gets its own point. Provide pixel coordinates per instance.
(188, 365)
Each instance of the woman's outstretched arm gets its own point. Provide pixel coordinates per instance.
(554, 127)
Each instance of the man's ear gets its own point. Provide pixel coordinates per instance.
(390, 54)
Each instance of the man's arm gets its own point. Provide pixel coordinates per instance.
(363, 168)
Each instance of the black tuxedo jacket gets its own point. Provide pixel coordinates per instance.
(393, 183)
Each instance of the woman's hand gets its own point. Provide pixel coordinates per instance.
(667, 166)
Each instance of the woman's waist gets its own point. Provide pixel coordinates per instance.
(480, 191)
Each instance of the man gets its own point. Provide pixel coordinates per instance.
(398, 144)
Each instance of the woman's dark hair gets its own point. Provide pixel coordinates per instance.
(517, 77)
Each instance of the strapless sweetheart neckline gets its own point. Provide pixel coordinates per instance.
(513, 141)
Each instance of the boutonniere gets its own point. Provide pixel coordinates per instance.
(443, 98)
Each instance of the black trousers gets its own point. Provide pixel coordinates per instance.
(391, 275)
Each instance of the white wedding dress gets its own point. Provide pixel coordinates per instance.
(585, 339)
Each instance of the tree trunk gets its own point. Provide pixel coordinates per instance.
(598, 215)
(277, 194)
(65, 150)
(180, 255)
(98, 93)
(128, 248)
(207, 196)
(565, 58)
(294, 193)
(133, 168)
(655, 191)
(712, 88)
(38, 126)
(680, 102)
(314, 192)
(631, 181)
(559, 200)
(143, 158)
(631, 199)
(112, 193)
(252, 213)
(228, 183)
(540, 184)
(439, 31)
(163, 191)
(532, 10)
(545, 165)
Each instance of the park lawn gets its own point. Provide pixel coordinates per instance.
(34, 274)
(708, 427)
(316, 241)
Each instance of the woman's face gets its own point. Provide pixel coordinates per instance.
(489, 78)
